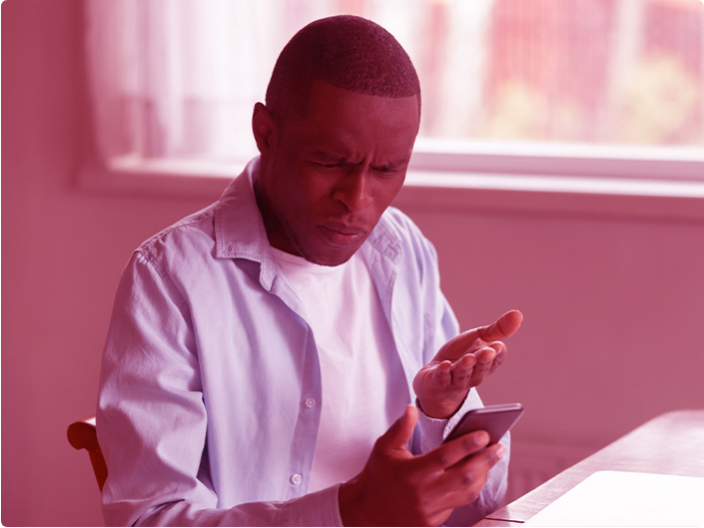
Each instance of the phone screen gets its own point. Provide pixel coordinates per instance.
(494, 419)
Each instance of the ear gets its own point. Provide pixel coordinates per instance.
(263, 127)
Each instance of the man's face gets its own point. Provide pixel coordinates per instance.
(326, 179)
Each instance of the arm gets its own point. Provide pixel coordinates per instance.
(434, 431)
(400, 489)
(448, 381)
(446, 330)
(445, 483)
(152, 419)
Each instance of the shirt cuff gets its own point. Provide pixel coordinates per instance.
(435, 430)
(320, 508)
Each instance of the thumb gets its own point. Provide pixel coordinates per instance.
(399, 434)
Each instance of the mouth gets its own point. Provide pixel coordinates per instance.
(341, 234)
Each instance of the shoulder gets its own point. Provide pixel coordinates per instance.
(194, 233)
(412, 241)
(168, 263)
(399, 239)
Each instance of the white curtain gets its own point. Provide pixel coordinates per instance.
(177, 79)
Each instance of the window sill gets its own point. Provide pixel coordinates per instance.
(549, 191)
(553, 195)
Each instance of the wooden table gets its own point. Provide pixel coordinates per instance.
(671, 444)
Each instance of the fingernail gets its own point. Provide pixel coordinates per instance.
(500, 451)
(482, 438)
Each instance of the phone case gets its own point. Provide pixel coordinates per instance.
(494, 419)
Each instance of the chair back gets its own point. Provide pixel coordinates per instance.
(82, 435)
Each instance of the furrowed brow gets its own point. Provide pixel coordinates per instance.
(327, 155)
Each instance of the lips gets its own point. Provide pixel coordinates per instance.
(345, 229)
(341, 234)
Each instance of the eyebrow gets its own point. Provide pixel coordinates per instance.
(343, 159)
(327, 155)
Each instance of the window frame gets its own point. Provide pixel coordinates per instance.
(550, 177)
(478, 176)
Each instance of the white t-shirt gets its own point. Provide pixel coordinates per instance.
(357, 359)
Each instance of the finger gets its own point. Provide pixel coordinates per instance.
(442, 374)
(501, 352)
(485, 362)
(485, 359)
(452, 452)
(485, 459)
(399, 434)
(485, 356)
(462, 370)
(468, 477)
(504, 327)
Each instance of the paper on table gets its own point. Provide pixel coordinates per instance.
(619, 498)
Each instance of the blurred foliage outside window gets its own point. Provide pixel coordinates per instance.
(178, 78)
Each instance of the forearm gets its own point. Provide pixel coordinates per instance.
(434, 431)
(315, 509)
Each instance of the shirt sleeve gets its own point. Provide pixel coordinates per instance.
(434, 431)
(152, 420)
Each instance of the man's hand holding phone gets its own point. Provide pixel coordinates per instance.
(397, 488)
(462, 363)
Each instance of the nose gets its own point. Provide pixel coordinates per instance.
(354, 189)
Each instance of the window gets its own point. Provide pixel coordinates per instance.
(606, 88)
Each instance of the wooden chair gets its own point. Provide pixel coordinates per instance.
(82, 435)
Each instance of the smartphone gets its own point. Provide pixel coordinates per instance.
(494, 419)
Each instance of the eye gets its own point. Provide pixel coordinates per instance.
(325, 165)
(386, 171)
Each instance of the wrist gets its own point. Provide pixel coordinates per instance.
(442, 409)
(349, 497)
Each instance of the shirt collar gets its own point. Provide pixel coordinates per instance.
(239, 227)
(384, 240)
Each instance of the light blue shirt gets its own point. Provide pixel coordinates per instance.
(210, 391)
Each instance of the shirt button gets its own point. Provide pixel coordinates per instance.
(310, 402)
(296, 479)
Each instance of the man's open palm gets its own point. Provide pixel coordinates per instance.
(462, 363)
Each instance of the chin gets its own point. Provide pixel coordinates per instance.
(328, 257)
(318, 250)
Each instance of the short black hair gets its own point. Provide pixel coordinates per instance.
(346, 51)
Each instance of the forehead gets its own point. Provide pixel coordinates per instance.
(335, 113)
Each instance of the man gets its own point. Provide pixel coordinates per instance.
(260, 350)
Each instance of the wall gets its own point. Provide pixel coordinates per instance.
(612, 333)
(63, 250)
